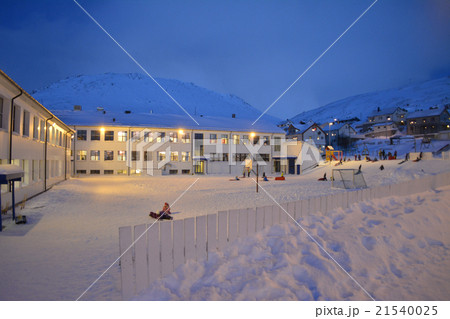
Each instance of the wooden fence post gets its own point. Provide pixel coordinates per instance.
(166, 248)
(189, 238)
(233, 216)
(243, 223)
(178, 243)
(251, 221)
(223, 229)
(154, 252)
(211, 233)
(200, 237)
(260, 212)
(126, 262)
(140, 257)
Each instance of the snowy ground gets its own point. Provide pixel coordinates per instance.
(72, 237)
(396, 248)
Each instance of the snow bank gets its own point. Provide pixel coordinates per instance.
(396, 248)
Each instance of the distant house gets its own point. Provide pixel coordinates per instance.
(431, 121)
(339, 134)
(385, 129)
(392, 114)
(305, 132)
(395, 115)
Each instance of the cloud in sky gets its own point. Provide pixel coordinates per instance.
(253, 49)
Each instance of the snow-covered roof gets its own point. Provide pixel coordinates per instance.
(175, 121)
(305, 126)
(386, 111)
(426, 113)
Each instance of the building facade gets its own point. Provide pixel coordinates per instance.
(308, 132)
(32, 138)
(121, 150)
(395, 115)
(431, 121)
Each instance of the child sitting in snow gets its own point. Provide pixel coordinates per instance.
(164, 214)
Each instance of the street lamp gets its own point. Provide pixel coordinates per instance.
(329, 133)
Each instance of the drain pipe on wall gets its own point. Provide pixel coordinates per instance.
(45, 152)
(11, 122)
(65, 157)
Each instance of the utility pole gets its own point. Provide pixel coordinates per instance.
(257, 175)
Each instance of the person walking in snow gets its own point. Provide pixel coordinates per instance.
(248, 172)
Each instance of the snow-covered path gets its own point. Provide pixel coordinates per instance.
(72, 234)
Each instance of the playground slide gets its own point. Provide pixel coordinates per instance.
(332, 155)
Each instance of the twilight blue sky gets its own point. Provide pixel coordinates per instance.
(253, 49)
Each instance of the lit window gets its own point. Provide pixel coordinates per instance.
(173, 137)
(224, 138)
(81, 155)
(95, 155)
(160, 137)
(81, 135)
(186, 138)
(161, 156)
(122, 136)
(121, 156)
(174, 156)
(236, 139)
(213, 138)
(109, 135)
(109, 155)
(95, 135)
(185, 156)
(135, 135)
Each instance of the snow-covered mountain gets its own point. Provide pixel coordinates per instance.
(412, 97)
(140, 94)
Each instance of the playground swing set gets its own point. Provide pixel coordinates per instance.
(331, 154)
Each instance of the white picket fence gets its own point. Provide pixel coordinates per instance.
(163, 246)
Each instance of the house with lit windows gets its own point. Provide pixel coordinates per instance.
(307, 132)
(339, 134)
(431, 121)
(385, 122)
(32, 138)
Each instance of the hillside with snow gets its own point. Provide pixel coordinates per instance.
(140, 94)
(415, 97)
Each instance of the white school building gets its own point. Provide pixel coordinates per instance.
(32, 138)
(128, 144)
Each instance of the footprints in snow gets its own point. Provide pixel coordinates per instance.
(368, 242)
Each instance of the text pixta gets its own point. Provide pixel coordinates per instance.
(337, 311)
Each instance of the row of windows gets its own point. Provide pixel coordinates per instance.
(122, 136)
(94, 155)
(34, 171)
(125, 172)
(32, 126)
(175, 156)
